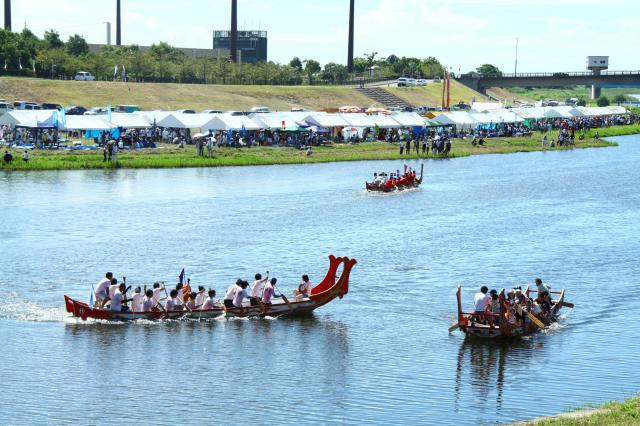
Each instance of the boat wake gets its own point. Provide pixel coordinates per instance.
(20, 309)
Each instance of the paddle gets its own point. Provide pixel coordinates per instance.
(568, 304)
(454, 327)
(534, 319)
(284, 298)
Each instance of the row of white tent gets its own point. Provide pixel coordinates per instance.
(518, 115)
(179, 120)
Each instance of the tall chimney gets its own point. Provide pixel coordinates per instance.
(350, 58)
(118, 24)
(7, 15)
(233, 43)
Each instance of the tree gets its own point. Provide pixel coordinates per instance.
(620, 98)
(311, 67)
(392, 59)
(336, 73)
(77, 45)
(603, 101)
(488, 70)
(52, 39)
(371, 58)
(296, 64)
(581, 102)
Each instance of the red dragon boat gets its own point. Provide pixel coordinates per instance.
(329, 288)
(381, 188)
(467, 320)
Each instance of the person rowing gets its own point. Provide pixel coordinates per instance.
(118, 300)
(256, 289)
(137, 300)
(101, 291)
(149, 303)
(231, 293)
(157, 289)
(113, 287)
(240, 294)
(201, 296)
(191, 303)
(173, 304)
(208, 302)
(269, 292)
(542, 287)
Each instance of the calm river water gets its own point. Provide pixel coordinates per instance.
(381, 355)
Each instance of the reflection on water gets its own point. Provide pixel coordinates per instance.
(382, 354)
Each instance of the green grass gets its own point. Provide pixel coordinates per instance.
(533, 95)
(633, 129)
(431, 95)
(169, 156)
(625, 413)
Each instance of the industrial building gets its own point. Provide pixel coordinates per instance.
(252, 45)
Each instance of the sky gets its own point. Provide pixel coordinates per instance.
(553, 35)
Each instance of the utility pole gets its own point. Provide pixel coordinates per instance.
(233, 42)
(7, 15)
(351, 24)
(515, 71)
(118, 24)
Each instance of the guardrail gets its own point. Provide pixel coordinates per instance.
(566, 74)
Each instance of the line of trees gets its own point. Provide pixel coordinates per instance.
(25, 54)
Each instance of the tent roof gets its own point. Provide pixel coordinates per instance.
(326, 120)
(273, 120)
(358, 120)
(384, 121)
(455, 117)
(232, 122)
(486, 106)
(85, 122)
(129, 121)
(409, 119)
(28, 118)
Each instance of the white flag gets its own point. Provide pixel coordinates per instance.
(5, 64)
(115, 71)
(20, 64)
(33, 63)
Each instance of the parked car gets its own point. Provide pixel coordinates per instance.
(403, 82)
(96, 111)
(411, 82)
(47, 105)
(84, 76)
(259, 109)
(236, 113)
(186, 111)
(211, 111)
(25, 105)
(5, 107)
(127, 108)
(75, 110)
(421, 82)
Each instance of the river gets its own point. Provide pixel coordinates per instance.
(381, 355)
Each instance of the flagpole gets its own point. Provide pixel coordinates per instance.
(515, 71)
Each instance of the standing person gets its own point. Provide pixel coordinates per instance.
(481, 300)
(101, 291)
(114, 153)
(137, 300)
(408, 147)
(210, 146)
(104, 152)
(231, 293)
(401, 147)
(256, 289)
(495, 306)
(25, 156)
(542, 287)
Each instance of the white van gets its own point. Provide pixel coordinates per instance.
(84, 76)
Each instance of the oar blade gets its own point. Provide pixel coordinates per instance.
(454, 327)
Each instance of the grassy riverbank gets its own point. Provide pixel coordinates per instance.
(625, 413)
(169, 156)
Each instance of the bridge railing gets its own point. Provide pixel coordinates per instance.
(566, 74)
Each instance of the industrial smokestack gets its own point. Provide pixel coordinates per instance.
(350, 58)
(7, 15)
(118, 24)
(233, 43)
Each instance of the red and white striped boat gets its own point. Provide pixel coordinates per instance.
(329, 288)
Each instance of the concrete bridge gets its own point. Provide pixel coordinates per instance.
(556, 79)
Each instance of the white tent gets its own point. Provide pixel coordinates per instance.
(85, 122)
(326, 120)
(231, 122)
(28, 118)
(409, 119)
(358, 120)
(273, 121)
(179, 120)
(384, 121)
(153, 115)
(529, 113)
(129, 121)
(486, 106)
(459, 118)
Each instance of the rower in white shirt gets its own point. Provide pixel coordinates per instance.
(240, 294)
(113, 287)
(208, 302)
(157, 297)
(541, 287)
(101, 290)
(137, 300)
(256, 289)
(231, 293)
(118, 299)
(149, 302)
(200, 296)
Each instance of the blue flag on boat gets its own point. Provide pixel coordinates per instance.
(91, 298)
(181, 278)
